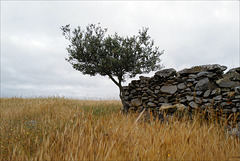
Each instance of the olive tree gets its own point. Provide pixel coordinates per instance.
(93, 52)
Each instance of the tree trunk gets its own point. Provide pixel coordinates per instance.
(121, 92)
(126, 106)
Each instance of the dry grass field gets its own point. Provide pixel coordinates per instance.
(64, 129)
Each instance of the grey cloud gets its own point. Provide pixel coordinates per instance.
(33, 49)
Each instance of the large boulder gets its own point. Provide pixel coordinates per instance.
(204, 84)
(233, 74)
(234, 70)
(226, 82)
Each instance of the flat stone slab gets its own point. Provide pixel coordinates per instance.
(135, 102)
(169, 89)
(173, 108)
(209, 68)
(216, 91)
(206, 93)
(181, 86)
(150, 104)
(166, 73)
(193, 104)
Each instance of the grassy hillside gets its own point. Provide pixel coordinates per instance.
(64, 129)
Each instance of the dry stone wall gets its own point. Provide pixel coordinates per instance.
(199, 87)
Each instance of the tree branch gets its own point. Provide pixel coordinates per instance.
(114, 81)
(119, 84)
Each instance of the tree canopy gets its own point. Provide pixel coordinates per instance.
(93, 52)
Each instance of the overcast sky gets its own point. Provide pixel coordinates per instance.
(33, 50)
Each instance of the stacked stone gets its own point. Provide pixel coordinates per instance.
(199, 87)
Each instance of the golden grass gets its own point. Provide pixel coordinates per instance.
(63, 129)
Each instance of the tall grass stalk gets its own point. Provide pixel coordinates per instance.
(63, 129)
